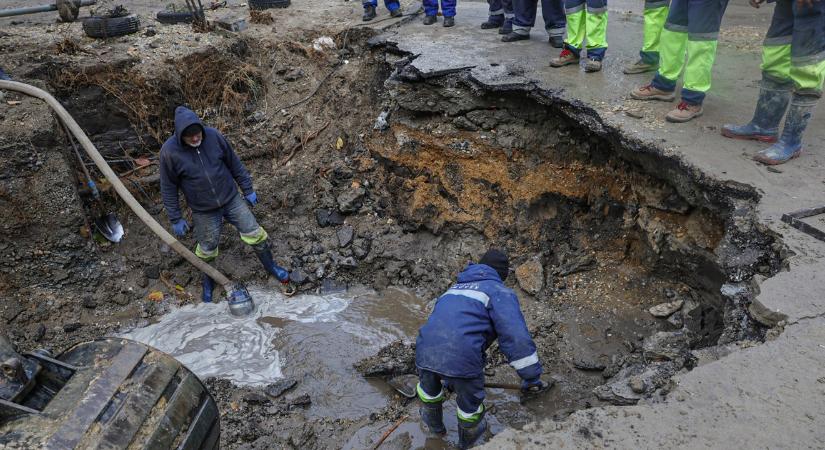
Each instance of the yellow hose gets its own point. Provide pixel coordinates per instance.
(110, 175)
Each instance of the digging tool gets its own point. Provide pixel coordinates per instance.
(108, 225)
(240, 302)
(405, 385)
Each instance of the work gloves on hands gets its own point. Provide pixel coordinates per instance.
(533, 386)
(180, 227)
(252, 198)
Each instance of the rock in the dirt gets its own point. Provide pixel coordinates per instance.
(326, 217)
(300, 400)
(666, 309)
(637, 384)
(575, 264)
(277, 388)
(530, 276)
(89, 302)
(350, 200)
(397, 358)
(666, 345)
(255, 398)
(345, 235)
(40, 332)
(676, 320)
(152, 272)
(588, 364)
(348, 263)
(73, 326)
(298, 276)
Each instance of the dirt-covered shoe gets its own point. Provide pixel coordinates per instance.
(449, 22)
(592, 65)
(639, 67)
(565, 58)
(396, 13)
(369, 13)
(493, 22)
(684, 112)
(648, 92)
(429, 20)
(513, 37)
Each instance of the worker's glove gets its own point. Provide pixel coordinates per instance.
(180, 227)
(252, 198)
(533, 386)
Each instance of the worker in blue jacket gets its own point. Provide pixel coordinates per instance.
(450, 348)
(200, 162)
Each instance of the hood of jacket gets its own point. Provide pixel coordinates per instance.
(183, 118)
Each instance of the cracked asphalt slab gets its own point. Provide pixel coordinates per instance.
(770, 395)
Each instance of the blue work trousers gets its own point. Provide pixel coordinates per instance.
(469, 392)
(499, 7)
(391, 5)
(552, 11)
(207, 226)
(447, 7)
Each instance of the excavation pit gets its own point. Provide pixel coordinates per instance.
(600, 230)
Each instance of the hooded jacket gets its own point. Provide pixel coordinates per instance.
(206, 174)
(473, 313)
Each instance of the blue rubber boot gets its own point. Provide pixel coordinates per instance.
(771, 106)
(264, 252)
(469, 432)
(208, 285)
(432, 415)
(493, 22)
(790, 143)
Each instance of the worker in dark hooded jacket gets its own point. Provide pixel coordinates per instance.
(450, 348)
(200, 162)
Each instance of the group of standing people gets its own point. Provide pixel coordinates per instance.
(680, 37)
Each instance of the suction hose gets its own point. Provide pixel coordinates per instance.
(121, 190)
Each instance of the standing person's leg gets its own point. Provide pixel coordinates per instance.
(596, 34)
(495, 18)
(655, 15)
(448, 9)
(393, 7)
(431, 393)
(430, 11)
(207, 230)
(470, 409)
(807, 73)
(555, 21)
(576, 23)
(704, 20)
(238, 214)
(524, 12)
(672, 50)
(509, 16)
(775, 89)
(369, 9)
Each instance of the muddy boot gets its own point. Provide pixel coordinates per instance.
(771, 106)
(566, 58)
(514, 36)
(684, 112)
(432, 415)
(556, 41)
(208, 285)
(369, 13)
(493, 22)
(639, 67)
(264, 252)
(396, 13)
(507, 27)
(469, 432)
(449, 22)
(790, 143)
(592, 65)
(429, 20)
(648, 92)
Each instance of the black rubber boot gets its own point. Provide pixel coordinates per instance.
(432, 415)
(369, 13)
(513, 37)
(429, 20)
(449, 22)
(493, 22)
(507, 27)
(469, 432)
(208, 285)
(556, 41)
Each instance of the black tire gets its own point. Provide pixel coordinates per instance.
(105, 27)
(266, 4)
(172, 17)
